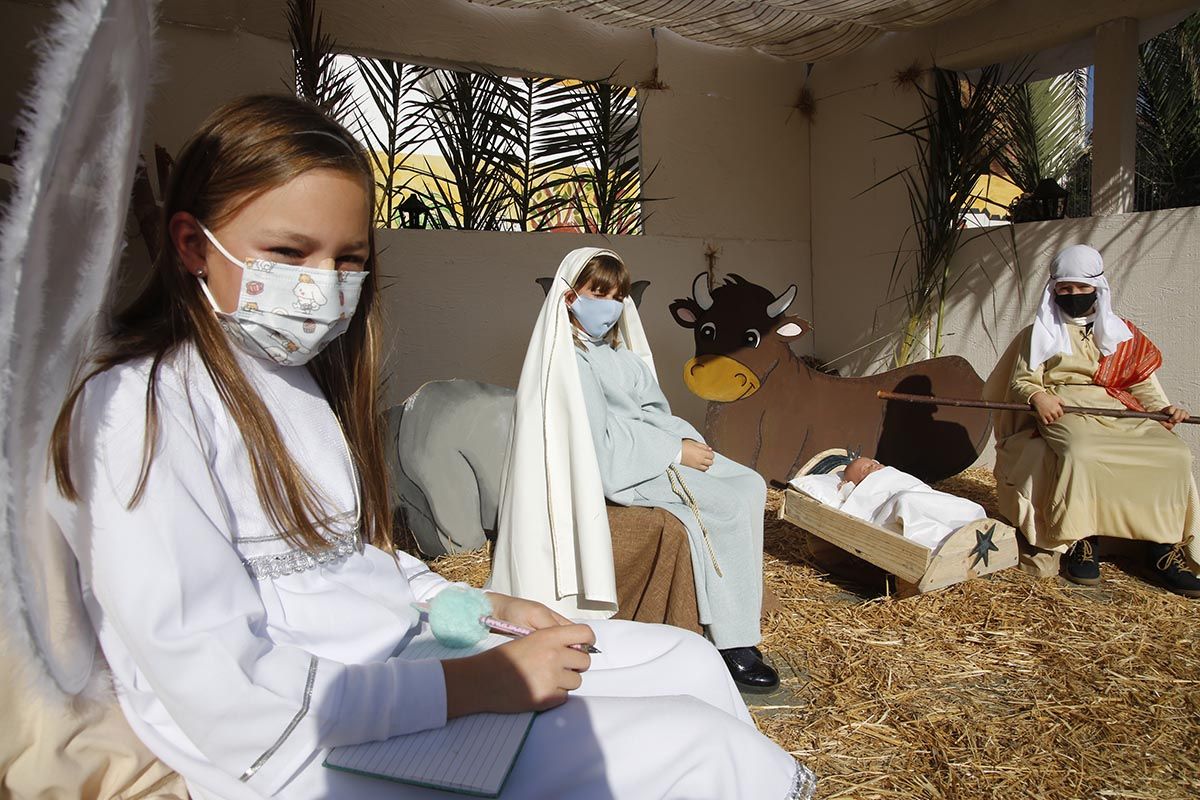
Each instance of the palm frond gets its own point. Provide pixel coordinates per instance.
(317, 76)
(592, 136)
(466, 115)
(1044, 123)
(394, 134)
(1168, 110)
(956, 141)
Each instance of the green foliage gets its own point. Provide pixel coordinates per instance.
(956, 140)
(534, 202)
(1168, 114)
(317, 78)
(467, 115)
(1044, 125)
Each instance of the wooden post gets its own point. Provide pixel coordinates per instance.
(1114, 119)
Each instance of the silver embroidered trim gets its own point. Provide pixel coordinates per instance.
(346, 516)
(308, 687)
(804, 784)
(289, 562)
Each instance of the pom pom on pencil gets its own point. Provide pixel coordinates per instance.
(461, 616)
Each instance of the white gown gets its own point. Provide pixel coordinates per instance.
(900, 502)
(238, 661)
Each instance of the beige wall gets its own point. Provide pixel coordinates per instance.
(1151, 261)
(463, 305)
(731, 156)
(857, 231)
(737, 167)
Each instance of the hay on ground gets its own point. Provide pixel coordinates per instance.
(995, 688)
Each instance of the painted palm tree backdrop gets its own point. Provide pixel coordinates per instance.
(470, 150)
(478, 151)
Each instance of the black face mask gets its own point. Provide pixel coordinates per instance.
(1076, 305)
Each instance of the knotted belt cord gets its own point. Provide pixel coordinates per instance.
(681, 490)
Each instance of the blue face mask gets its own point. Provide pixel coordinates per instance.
(596, 315)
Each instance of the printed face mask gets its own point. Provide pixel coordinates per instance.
(287, 313)
(1076, 305)
(597, 315)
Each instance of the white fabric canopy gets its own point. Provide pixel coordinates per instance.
(803, 30)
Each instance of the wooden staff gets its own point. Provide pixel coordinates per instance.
(958, 403)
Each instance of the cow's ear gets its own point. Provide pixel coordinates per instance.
(793, 327)
(545, 283)
(685, 311)
(636, 290)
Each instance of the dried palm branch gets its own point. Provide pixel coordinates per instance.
(467, 115)
(957, 139)
(318, 78)
(390, 131)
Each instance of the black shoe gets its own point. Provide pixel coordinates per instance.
(749, 671)
(1083, 565)
(1171, 567)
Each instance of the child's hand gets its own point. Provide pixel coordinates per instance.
(532, 673)
(526, 613)
(1178, 415)
(696, 455)
(1047, 407)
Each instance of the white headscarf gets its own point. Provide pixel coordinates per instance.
(554, 544)
(1077, 264)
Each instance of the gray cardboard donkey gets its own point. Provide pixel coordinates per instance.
(447, 444)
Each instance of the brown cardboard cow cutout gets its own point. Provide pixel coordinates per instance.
(772, 412)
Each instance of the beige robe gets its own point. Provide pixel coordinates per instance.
(83, 750)
(1087, 475)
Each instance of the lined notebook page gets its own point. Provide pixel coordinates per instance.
(469, 755)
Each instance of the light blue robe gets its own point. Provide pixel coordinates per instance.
(637, 441)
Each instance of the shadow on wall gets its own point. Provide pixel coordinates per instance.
(1003, 270)
(909, 428)
(1011, 264)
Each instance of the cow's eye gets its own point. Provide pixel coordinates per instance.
(752, 338)
(708, 331)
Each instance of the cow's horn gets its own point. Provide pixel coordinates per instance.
(781, 303)
(700, 292)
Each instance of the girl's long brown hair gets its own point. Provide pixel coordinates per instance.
(247, 147)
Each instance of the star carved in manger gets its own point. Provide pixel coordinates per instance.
(984, 545)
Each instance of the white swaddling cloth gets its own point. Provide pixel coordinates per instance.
(826, 489)
(896, 501)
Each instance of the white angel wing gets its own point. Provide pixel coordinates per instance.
(60, 242)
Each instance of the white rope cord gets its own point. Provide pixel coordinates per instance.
(680, 488)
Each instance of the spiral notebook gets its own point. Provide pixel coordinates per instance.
(470, 755)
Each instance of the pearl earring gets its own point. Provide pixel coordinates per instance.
(200, 273)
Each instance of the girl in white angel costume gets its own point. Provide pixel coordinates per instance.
(230, 518)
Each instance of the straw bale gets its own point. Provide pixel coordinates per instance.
(1003, 687)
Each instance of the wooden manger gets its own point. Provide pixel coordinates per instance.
(979, 548)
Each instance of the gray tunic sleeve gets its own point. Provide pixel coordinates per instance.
(628, 450)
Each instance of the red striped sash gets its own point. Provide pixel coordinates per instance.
(1134, 361)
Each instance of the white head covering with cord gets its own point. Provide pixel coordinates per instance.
(554, 544)
(1076, 264)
